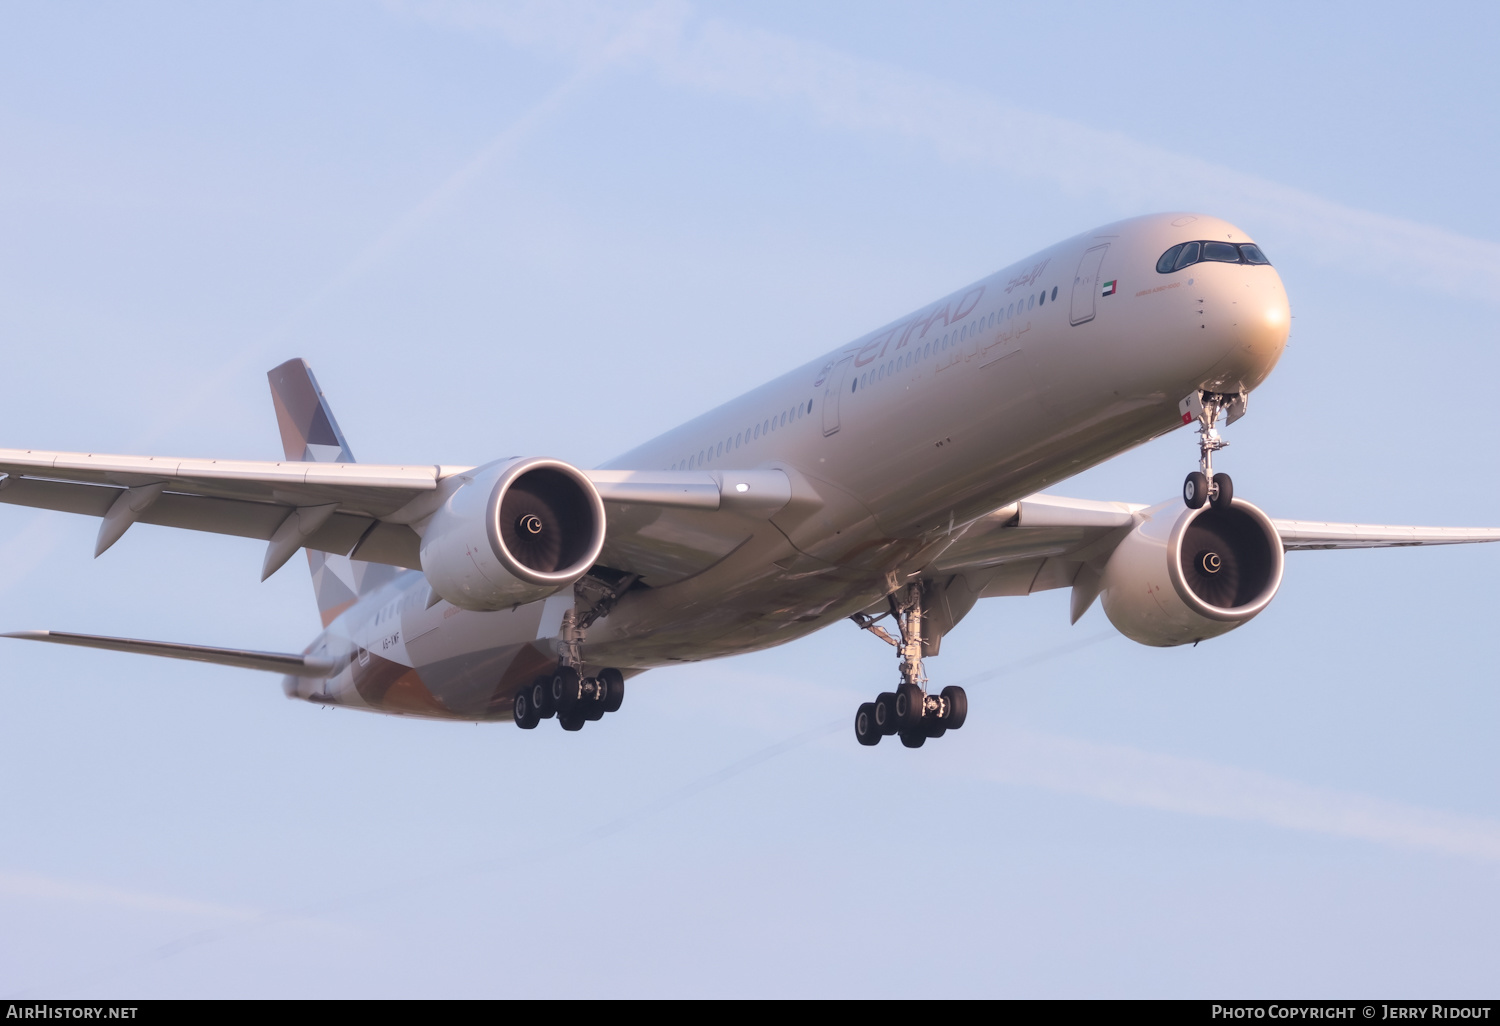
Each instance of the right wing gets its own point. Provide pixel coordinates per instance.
(343, 506)
(662, 524)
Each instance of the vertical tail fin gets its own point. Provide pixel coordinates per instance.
(310, 434)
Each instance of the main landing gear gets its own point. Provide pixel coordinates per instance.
(567, 694)
(572, 698)
(909, 711)
(1203, 485)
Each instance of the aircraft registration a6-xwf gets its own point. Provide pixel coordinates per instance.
(527, 588)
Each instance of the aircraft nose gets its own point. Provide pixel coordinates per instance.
(1256, 320)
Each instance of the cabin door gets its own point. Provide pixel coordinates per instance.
(833, 389)
(1086, 285)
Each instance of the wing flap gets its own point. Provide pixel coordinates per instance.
(248, 659)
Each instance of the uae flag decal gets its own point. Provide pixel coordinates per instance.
(1109, 288)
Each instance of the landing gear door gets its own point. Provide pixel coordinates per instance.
(1086, 285)
(833, 390)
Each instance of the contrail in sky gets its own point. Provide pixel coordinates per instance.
(968, 126)
(625, 39)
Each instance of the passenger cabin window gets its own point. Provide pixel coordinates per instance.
(1185, 254)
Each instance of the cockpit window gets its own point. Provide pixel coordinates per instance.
(1189, 255)
(1184, 254)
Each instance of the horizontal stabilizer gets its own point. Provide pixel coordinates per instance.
(272, 662)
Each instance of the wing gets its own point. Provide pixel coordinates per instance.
(1037, 544)
(274, 662)
(1046, 541)
(353, 502)
(1313, 534)
(662, 524)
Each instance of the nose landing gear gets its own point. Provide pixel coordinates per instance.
(1203, 485)
(909, 711)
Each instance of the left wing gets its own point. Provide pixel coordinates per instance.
(1043, 541)
(1298, 535)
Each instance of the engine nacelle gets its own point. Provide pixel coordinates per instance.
(1196, 575)
(513, 531)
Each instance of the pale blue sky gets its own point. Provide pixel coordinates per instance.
(557, 230)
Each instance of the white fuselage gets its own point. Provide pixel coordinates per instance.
(894, 441)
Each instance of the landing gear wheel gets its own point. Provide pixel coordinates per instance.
(910, 704)
(934, 726)
(565, 689)
(540, 693)
(1195, 490)
(525, 712)
(593, 699)
(570, 720)
(866, 731)
(913, 738)
(958, 706)
(614, 688)
(1223, 491)
(885, 713)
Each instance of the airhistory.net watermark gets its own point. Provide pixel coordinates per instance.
(70, 1011)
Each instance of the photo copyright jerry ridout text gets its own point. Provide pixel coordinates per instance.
(46, 1011)
(1422, 1011)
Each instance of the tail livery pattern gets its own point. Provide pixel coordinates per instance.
(310, 434)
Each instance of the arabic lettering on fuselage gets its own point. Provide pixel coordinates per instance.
(1028, 279)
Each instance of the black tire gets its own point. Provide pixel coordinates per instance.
(958, 706)
(570, 720)
(592, 705)
(885, 713)
(565, 689)
(934, 726)
(913, 738)
(541, 698)
(1223, 491)
(911, 704)
(1195, 490)
(866, 731)
(614, 688)
(525, 712)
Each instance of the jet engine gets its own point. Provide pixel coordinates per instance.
(512, 531)
(1196, 575)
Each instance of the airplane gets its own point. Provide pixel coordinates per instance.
(898, 478)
